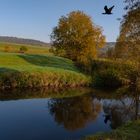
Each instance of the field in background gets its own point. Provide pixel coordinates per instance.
(32, 49)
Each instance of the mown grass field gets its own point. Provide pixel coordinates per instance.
(32, 49)
(37, 68)
(35, 62)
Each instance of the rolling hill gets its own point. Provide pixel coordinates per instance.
(17, 40)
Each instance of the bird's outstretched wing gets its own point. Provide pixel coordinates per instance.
(110, 9)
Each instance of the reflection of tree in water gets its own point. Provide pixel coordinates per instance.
(122, 111)
(74, 112)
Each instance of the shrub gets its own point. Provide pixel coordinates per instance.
(108, 78)
(23, 49)
(109, 73)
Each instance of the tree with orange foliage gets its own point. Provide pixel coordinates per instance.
(128, 43)
(77, 37)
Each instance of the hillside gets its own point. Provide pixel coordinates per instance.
(32, 70)
(34, 62)
(16, 40)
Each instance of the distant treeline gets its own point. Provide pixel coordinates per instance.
(22, 41)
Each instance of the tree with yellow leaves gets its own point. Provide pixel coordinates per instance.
(77, 38)
(128, 43)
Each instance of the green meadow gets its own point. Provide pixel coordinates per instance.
(37, 69)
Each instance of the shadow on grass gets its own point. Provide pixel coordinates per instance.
(7, 70)
(49, 61)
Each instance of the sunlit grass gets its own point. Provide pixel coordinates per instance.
(26, 62)
(28, 70)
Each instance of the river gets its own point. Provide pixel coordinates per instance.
(68, 114)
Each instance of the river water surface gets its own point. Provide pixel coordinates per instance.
(64, 114)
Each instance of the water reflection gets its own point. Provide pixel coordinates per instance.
(75, 113)
(127, 108)
(119, 111)
(62, 114)
(16, 94)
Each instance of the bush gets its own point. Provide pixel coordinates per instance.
(23, 49)
(108, 78)
(107, 73)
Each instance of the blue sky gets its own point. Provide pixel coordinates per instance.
(35, 18)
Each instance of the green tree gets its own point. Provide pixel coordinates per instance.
(77, 38)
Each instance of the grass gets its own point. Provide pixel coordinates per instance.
(129, 131)
(32, 62)
(32, 49)
(37, 70)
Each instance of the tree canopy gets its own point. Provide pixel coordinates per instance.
(128, 43)
(77, 37)
(132, 4)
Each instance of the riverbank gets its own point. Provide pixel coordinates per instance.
(108, 73)
(20, 70)
(129, 131)
(30, 70)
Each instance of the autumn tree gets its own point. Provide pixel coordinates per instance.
(77, 38)
(128, 43)
(132, 4)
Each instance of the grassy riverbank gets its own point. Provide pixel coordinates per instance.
(113, 73)
(32, 70)
(130, 131)
(38, 67)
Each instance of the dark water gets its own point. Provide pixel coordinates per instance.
(64, 115)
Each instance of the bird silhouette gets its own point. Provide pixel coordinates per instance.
(108, 10)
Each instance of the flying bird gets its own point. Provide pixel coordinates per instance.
(108, 10)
